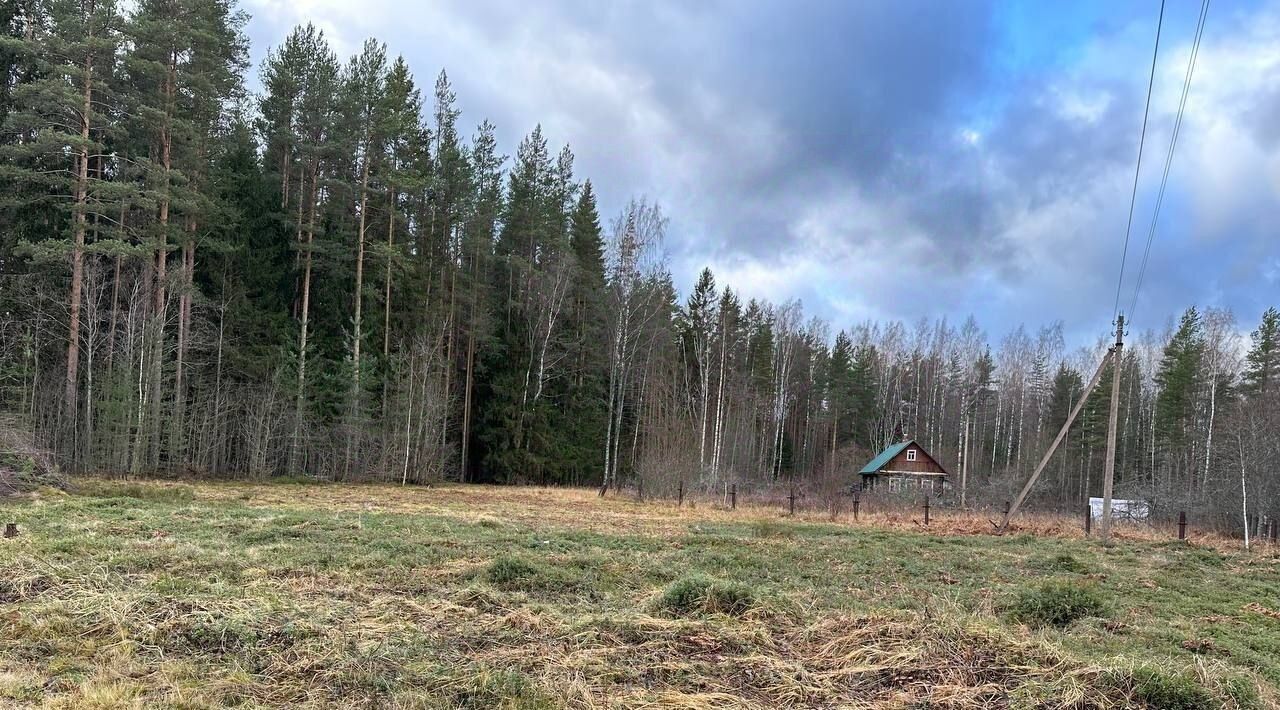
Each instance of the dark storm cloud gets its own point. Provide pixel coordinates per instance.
(824, 149)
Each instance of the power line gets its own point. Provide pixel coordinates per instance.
(1133, 197)
(1173, 142)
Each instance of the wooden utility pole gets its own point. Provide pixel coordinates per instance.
(1109, 472)
(1010, 511)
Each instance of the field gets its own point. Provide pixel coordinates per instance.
(135, 594)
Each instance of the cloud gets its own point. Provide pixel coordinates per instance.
(887, 160)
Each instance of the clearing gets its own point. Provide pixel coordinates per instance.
(146, 594)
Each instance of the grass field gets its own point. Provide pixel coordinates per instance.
(294, 595)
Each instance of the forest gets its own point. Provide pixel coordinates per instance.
(332, 275)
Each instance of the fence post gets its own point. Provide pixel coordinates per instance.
(855, 507)
(680, 495)
(926, 510)
(733, 497)
(639, 488)
(1182, 525)
(791, 501)
(1088, 520)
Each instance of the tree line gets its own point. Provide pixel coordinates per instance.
(334, 277)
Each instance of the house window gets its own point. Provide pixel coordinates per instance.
(911, 454)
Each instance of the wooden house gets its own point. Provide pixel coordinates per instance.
(904, 466)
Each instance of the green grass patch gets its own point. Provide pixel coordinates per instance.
(1155, 687)
(1057, 602)
(172, 493)
(1063, 562)
(696, 595)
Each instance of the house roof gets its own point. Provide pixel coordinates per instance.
(886, 456)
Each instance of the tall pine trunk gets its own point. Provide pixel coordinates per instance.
(77, 249)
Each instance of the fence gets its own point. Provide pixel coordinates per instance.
(926, 511)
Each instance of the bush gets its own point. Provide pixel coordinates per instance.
(695, 595)
(1057, 603)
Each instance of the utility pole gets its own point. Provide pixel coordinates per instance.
(1109, 472)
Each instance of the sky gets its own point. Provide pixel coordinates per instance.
(888, 160)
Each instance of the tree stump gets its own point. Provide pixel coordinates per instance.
(10, 529)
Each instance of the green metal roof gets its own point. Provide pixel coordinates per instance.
(885, 457)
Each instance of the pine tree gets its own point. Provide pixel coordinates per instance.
(299, 112)
(65, 56)
(365, 103)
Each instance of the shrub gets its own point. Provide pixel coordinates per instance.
(1057, 603)
(694, 595)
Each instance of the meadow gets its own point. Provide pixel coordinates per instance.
(199, 595)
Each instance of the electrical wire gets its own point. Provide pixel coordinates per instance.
(1173, 142)
(1142, 141)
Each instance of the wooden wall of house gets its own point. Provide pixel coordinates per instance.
(922, 464)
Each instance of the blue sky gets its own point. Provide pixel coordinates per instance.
(886, 160)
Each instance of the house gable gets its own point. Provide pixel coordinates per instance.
(904, 457)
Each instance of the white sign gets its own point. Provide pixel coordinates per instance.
(1121, 508)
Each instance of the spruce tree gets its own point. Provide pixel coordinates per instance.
(1179, 379)
(1262, 362)
(584, 415)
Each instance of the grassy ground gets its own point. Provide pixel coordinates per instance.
(208, 595)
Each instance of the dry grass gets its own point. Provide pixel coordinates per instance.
(211, 594)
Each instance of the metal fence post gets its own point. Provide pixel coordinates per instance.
(1088, 519)
(855, 507)
(926, 510)
(733, 497)
(791, 502)
(680, 495)
(1182, 525)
